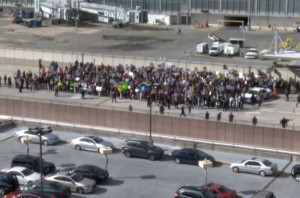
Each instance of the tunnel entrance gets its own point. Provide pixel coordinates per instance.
(234, 21)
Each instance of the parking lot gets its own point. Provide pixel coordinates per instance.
(134, 177)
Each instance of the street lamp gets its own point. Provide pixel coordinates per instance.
(150, 86)
(76, 23)
(106, 151)
(41, 131)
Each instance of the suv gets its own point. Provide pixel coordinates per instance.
(8, 183)
(263, 194)
(33, 163)
(296, 172)
(141, 148)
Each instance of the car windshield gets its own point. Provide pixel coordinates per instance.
(254, 51)
(267, 163)
(223, 189)
(77, 177)
(98, 140)
(27, 172)
(253, 92)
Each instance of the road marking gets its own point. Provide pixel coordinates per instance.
(252, 112)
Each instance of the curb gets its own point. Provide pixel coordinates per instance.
(6, 138)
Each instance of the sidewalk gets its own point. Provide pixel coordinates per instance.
(269, 114)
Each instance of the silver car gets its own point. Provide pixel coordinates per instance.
(91, 143)
(47, 139)
(74, 181)
(262, 167)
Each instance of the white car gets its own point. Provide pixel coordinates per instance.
(25, 176)
(47, 139)
(254, 165)
(252, 53)
(266, 93)
(92, 143)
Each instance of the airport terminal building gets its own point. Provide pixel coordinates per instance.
(173, 12)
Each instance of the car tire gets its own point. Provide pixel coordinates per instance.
(19, 139)
(127, 154)
(235, 169)
(262, 173)
(80, 190)
(30, 182)
(77, 147)
(151, 157)
(45, 142)
(297, 177)
(177, 160)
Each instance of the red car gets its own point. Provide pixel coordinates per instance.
(18, 194)
(220, 190)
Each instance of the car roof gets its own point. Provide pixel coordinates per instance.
(262, 194)
(24, 156)
(132, 140)
(87, 166)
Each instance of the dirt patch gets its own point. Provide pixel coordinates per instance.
(9, 41)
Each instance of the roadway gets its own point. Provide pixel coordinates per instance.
(135, 178)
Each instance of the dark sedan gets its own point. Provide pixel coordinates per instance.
(191, 156)
(92, 172)
(49, 187)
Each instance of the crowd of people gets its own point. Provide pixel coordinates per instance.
(165, 85)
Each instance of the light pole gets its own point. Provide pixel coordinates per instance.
(248, 24)
(76, 22)
(41, 131)
(150, 86)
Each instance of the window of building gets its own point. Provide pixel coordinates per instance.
(262, 6)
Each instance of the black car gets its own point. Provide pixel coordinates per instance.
(49, 187)
(8, 183)
(91, 172)
(33, 163)
(263, 194)
(296, 172)
(194, 192)
(141, 148)
(191, 156)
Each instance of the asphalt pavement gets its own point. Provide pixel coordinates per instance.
(135, 177)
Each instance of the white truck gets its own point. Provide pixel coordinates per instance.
(231, 49)
(202, 48)
(216, 49)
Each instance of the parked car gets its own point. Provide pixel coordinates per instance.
(191, 156)
(141, 148)
(92, 172)
(252, 53)
(75, 182)
(296, 172)
(33, 163)
(8, 183)
(265, 92)
(194, 192)
(220, 190)
(49, 187)
(13, 194)
(47, 139)
(24, 175)
(263, 194)
(92, 143)
(262, 167)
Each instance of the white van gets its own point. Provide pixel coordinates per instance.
(216, 49)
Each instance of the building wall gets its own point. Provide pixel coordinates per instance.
(231, 7)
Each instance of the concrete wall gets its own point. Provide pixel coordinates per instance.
(224, 132)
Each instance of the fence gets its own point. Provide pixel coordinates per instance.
(30, 57)
(232, 133)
